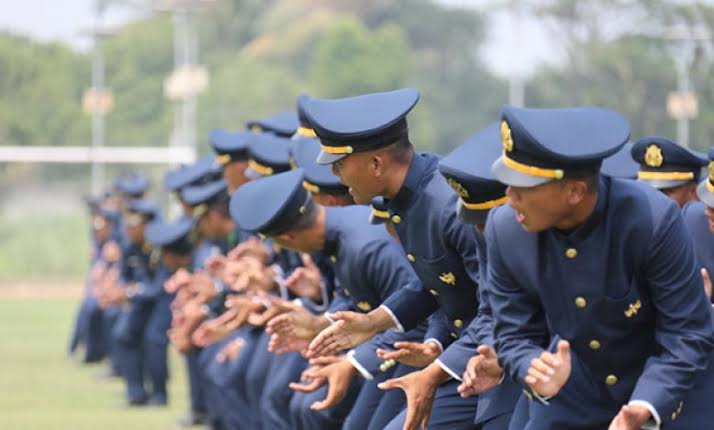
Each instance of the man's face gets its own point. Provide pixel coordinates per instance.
(209, 225)
(539, 208)
(172, 260)
(102, 228)
(709, 212)
(135, 229)
(234, 175)
(358, 171)
(681, 194)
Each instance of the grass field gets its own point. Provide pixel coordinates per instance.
(41, 388)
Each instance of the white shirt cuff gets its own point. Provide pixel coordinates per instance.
(655, 422)
(436, 342)
(446, 369)
(397, 324)
(353, 361)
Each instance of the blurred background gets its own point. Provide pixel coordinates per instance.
(133, 73)
(139, 85)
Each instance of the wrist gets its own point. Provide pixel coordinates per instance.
(379, 320)
(435, 375)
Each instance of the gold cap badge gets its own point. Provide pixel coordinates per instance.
(653, 156)
(460, 190)
(506, 138)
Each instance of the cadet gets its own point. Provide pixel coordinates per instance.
(468, 171)
(136, 275)
(209, 207)
(368, 265)
(603, 265)
(232, 154)
(366, 140)
(174, 242)
(325, 189)
(699, 219)
(205, 170)
(670, 168)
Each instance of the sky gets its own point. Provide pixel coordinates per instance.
(64, 20)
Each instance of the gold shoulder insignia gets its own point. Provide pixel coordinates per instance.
(633, 309)
(448, 278)
(364, 306)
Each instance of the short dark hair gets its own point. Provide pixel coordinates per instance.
(592, 181)
(400, 150)
(307, 218)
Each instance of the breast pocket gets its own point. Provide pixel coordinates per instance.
(627, 309)
(446, 278)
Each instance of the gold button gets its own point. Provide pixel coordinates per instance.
(411, 258)
(674, 416)
(458, 323)
(396, 219)
(333, 258)
(434, 292)
(347, 292)
(594, 344)
(580, 302)
(611, 380)
(454, 335)
(571, 253)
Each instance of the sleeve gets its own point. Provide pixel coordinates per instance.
(519, 325)
(364, 357)
(410, 305)
(461, 238)
(340, 302)
(455, 358)
(684, 318)
(438, 329)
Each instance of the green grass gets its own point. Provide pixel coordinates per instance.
(44, 246)
(40, 388)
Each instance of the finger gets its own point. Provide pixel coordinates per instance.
(323, 361)
(391, 384)
(538, 375)
(322, 341)
(334, 396)
(426, 416)
(394, 355)
(564, 351)
(342, 316)
(307, 261)
(544, 365)
(307, 388)
(486, 351)
(411, 346)
(413, 417)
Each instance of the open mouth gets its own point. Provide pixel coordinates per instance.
(520, 217)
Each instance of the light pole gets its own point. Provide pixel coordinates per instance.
(682, 105)
(98, 101)
(188, 79)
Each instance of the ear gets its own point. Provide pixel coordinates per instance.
(286, 236)
(693, 193)
(378, 163)
(576, 191)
